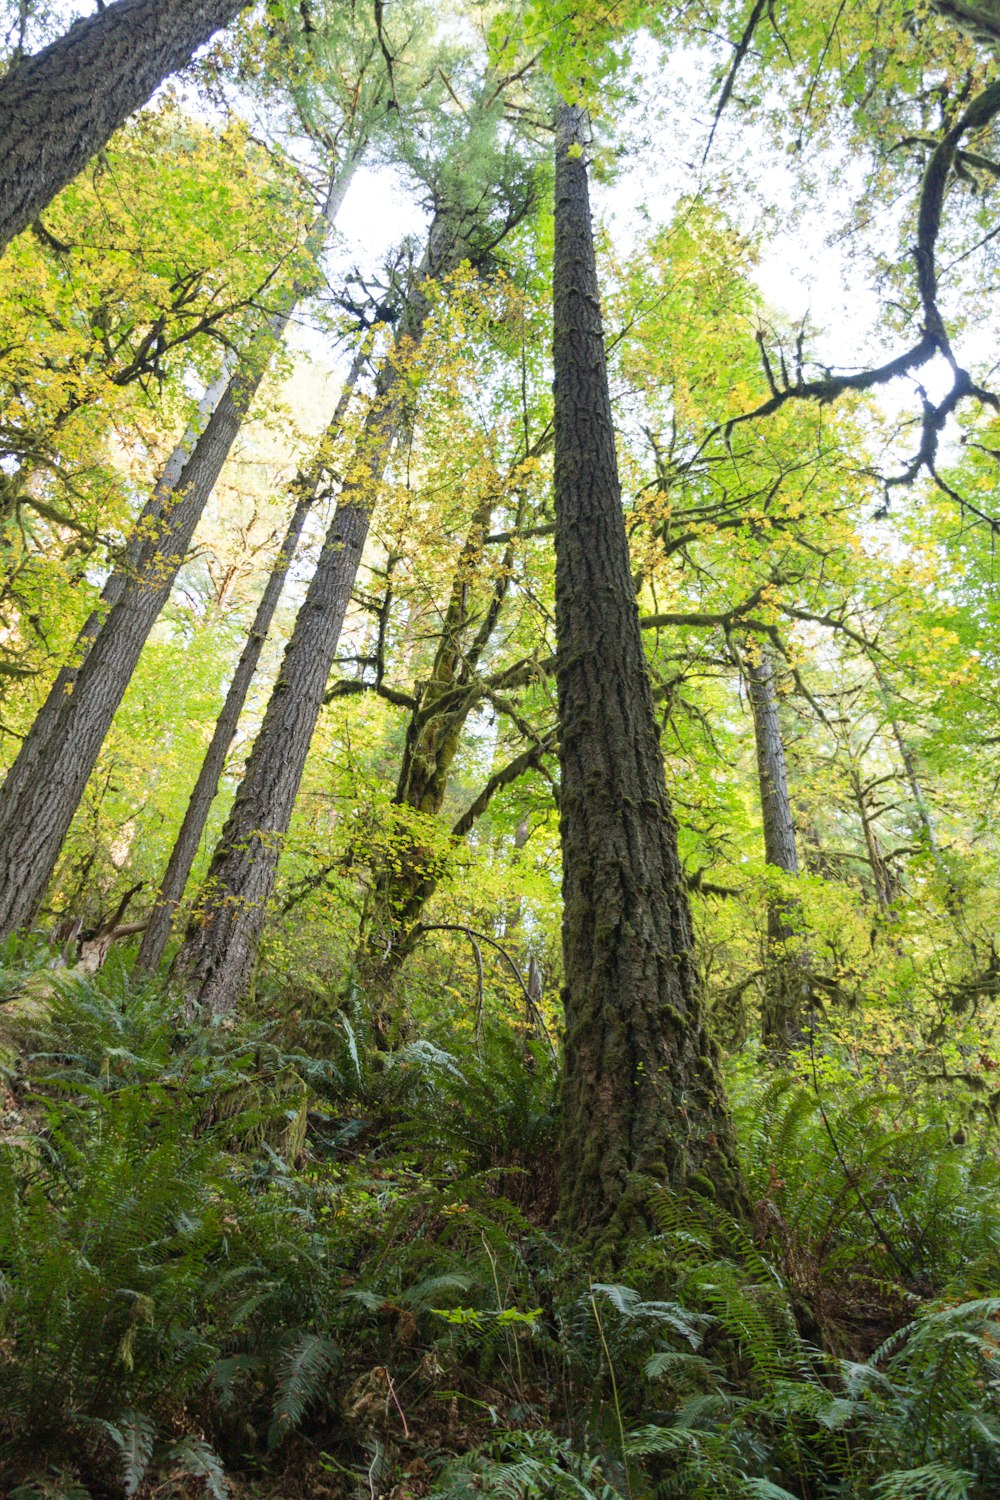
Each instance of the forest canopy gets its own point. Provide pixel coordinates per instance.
(499, 746)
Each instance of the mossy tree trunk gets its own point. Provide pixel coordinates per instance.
(884, 881)
(642, 1095)
(405, 881)
(60, 106)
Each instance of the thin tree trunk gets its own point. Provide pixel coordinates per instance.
(45, 784)
(786, 993)
(642, 1096)
(775, 803)
(906, 755)
(401, 887)
(185, 848)
(219, 952)
(910, 767)
(882, 876)
(60, 106)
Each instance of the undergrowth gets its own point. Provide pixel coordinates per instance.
(264, 1261)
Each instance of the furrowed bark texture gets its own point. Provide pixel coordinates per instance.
(786, 993)
(46, 782)
(642, 1096)
(59, 107)
(44, 727)
(219, 952)
(182, 857)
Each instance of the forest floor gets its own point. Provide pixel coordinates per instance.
(263, 1260)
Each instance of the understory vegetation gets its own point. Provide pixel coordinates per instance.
(266, 1259)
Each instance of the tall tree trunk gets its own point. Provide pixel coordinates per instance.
(775, 803)
(185, 848)
(642, 1096)
(219, 952)
(59, 107)
(786, 991)
(39, 736)
(43, 787)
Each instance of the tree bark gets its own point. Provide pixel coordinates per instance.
(642, 1096)
(39, 736)
(786, 990)
(185, 848)
(775, 803)
(219, 951)
(60, 106)
(46, 782)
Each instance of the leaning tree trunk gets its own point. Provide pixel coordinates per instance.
(39, 737)
(642, 1096)
(45, 784)
(786, 991)
(59, 107)
(185, 848)
(219, 952)
(979, 19)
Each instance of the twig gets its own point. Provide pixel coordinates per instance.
(901, 1265)
(472, 934)
(478, 1029)
(402, 1413)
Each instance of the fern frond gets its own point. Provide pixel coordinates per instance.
(421, 1294)
(196, 1460)
(135, 1434)
(929, 1482)
(300, 1382)
(765, 1489)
